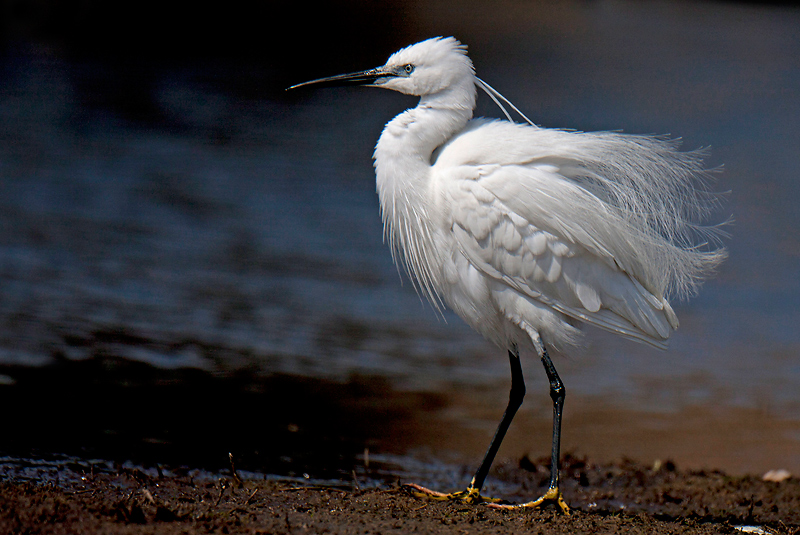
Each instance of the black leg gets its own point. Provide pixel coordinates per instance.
(515, 396)
(557, 394)
(514, 401)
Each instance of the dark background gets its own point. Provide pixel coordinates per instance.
(191, 258)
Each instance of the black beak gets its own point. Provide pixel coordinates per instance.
(354, 78)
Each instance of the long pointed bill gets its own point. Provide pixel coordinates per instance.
(355, 78)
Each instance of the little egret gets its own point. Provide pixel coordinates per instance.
(523, 230)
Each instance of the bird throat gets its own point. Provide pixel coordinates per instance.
(403, 167)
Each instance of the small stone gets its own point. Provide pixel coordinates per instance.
(777, 475)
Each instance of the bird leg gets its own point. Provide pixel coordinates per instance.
(473, 492)
(557, 394)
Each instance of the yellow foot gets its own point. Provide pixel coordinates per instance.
(553, 495)
(471, 495)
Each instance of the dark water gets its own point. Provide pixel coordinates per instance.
(191, 259)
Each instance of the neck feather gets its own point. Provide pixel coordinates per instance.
(403, 167)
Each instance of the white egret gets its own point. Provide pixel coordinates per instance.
(523, 230)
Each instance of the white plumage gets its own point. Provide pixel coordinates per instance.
(521, 230)
(594, 226)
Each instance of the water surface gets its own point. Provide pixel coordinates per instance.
(236, 234)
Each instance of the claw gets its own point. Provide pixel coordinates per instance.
(553, 495)
(471, 495)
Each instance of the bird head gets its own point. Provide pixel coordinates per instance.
(424, 68)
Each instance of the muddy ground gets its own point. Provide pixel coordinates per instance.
(80, 496)
(110, 446)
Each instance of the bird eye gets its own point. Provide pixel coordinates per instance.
(408, 68)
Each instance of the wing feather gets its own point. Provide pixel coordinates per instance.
(551, 265)
(634, 201)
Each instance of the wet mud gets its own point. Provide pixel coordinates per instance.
(107, 445)
(74, 495)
